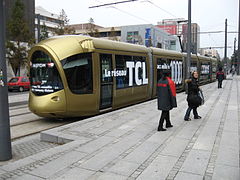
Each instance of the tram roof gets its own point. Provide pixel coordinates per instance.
(163, 52)
(67, 45)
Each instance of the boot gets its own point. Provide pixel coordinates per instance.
(161, 129)
(169, 126)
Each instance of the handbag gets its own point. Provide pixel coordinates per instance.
(200, 94)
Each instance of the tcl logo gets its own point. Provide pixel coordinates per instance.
(135, 68)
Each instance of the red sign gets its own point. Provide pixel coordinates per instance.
(171, 29)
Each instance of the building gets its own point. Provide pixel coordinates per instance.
(83, 28)
(149, 35)
(179, 27)
(146, 34)
(112, 33)
(209, 52)
(44, 17)
(29, 12)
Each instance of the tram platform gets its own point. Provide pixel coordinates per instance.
(125, 144)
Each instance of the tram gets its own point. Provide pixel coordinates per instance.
(73, 76)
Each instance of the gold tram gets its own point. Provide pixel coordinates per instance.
(74, 76)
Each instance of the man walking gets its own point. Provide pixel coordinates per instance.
(220, 77)
(166, 92)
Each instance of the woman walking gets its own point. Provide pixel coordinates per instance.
(193, 99)
(166, 92)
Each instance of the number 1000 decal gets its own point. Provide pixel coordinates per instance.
(176, 70)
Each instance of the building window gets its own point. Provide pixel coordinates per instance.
(172, 43)
(133, 37)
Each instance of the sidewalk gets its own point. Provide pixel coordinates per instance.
(125, 144)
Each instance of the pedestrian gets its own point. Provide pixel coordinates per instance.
(233, 71)
(166, 93)
(193, 99)
(220, 77)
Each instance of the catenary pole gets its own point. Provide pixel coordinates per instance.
(225, 47)
(189, 39)
(238, 50)
(234, 53)
(5, 140)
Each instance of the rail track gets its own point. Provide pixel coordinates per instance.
(24, 123)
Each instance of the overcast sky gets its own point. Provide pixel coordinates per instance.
(209, 14)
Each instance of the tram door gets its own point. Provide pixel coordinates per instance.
(106, 92)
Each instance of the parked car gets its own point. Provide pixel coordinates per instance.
(19, 83)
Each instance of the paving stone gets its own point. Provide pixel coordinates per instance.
(95, 145)
(107, 176)
(188, 131)
(110, 153)
(158, 169)
(206, 139)
(196, 162)
(76, 173)
(2, 171)
(159, 137)
(222, 172)
(124, 168)
(17, 164)
(49, 136)
(229, 139)
(51, 152)
(175, 147)
(58, 164)
(100, 160)
(228, 155)
(66, 138)
(231, 123)
(27, 177)
(144, 150)
(188, 176)
(117, 132)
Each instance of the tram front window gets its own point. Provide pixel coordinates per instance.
(44, 76)
(78, 72)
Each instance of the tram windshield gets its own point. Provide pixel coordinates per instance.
(44, 76)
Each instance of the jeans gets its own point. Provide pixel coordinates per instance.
(219, 84)
(165, 115)
(195, 113)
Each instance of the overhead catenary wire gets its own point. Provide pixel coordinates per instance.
(131, 14)
(210, 32)
(137, 17)
(113, 3)
(160, 8)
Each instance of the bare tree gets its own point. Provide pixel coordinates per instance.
(92, 29)
(63, 27)
(113, 34)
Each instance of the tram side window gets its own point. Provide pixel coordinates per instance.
(123, 79)
(78, 71)
(162, 64)
(138, 72)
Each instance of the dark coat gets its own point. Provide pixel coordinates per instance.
(166, 93)
(220, 76)
(193, 99)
